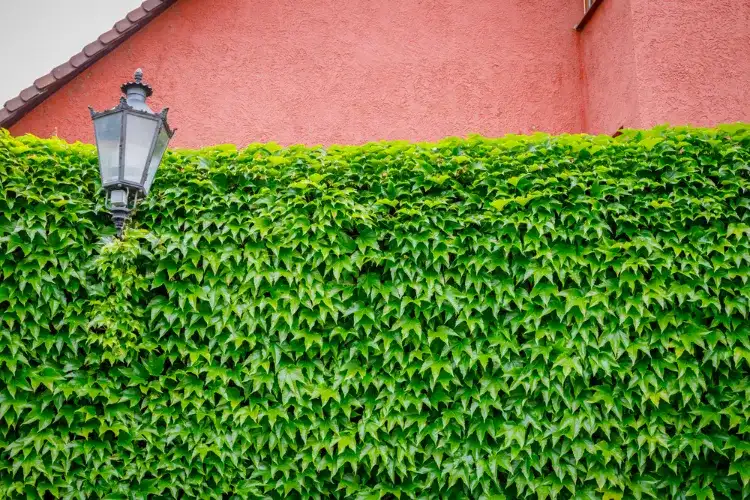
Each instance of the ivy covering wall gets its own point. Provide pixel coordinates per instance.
(524, 317)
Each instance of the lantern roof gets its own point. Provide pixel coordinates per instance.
(134, 101)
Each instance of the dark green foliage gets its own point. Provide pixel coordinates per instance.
(523, 317)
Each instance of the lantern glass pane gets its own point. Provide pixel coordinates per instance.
(139, 134)
(108, 129)
(118, 198)
(159, 149)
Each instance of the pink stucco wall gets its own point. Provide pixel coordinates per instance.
(332, 71)
(681, 62)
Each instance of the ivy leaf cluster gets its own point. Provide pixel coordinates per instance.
(525, 317)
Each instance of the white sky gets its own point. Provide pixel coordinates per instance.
(38, 35)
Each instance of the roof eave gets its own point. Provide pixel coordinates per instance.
(43, 87)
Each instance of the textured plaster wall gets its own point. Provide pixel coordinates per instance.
(649, 62)
(693, 61)
(352, 71)
(610, 90)
(341, 71)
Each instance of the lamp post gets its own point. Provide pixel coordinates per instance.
(131, 140)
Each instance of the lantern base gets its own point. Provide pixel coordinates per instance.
(119, 216)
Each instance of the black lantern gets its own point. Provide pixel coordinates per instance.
(131, 140)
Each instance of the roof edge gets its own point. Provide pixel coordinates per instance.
(45, 86)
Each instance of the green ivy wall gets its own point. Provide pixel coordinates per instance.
(527, 317)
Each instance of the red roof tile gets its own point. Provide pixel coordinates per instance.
(135, 15)
(14, 104)
(62, 71)
(109, 36)
(28, 93)
(150, 5)
(46, 85)
(92, 48)
(46, 80)
(122, 25)
(77, 60)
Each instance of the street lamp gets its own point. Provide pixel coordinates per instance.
(131, 140)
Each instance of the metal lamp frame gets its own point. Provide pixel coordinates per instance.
(134, 190)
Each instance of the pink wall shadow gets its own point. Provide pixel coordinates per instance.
(678, 62)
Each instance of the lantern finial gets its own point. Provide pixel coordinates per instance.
(137, 84)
